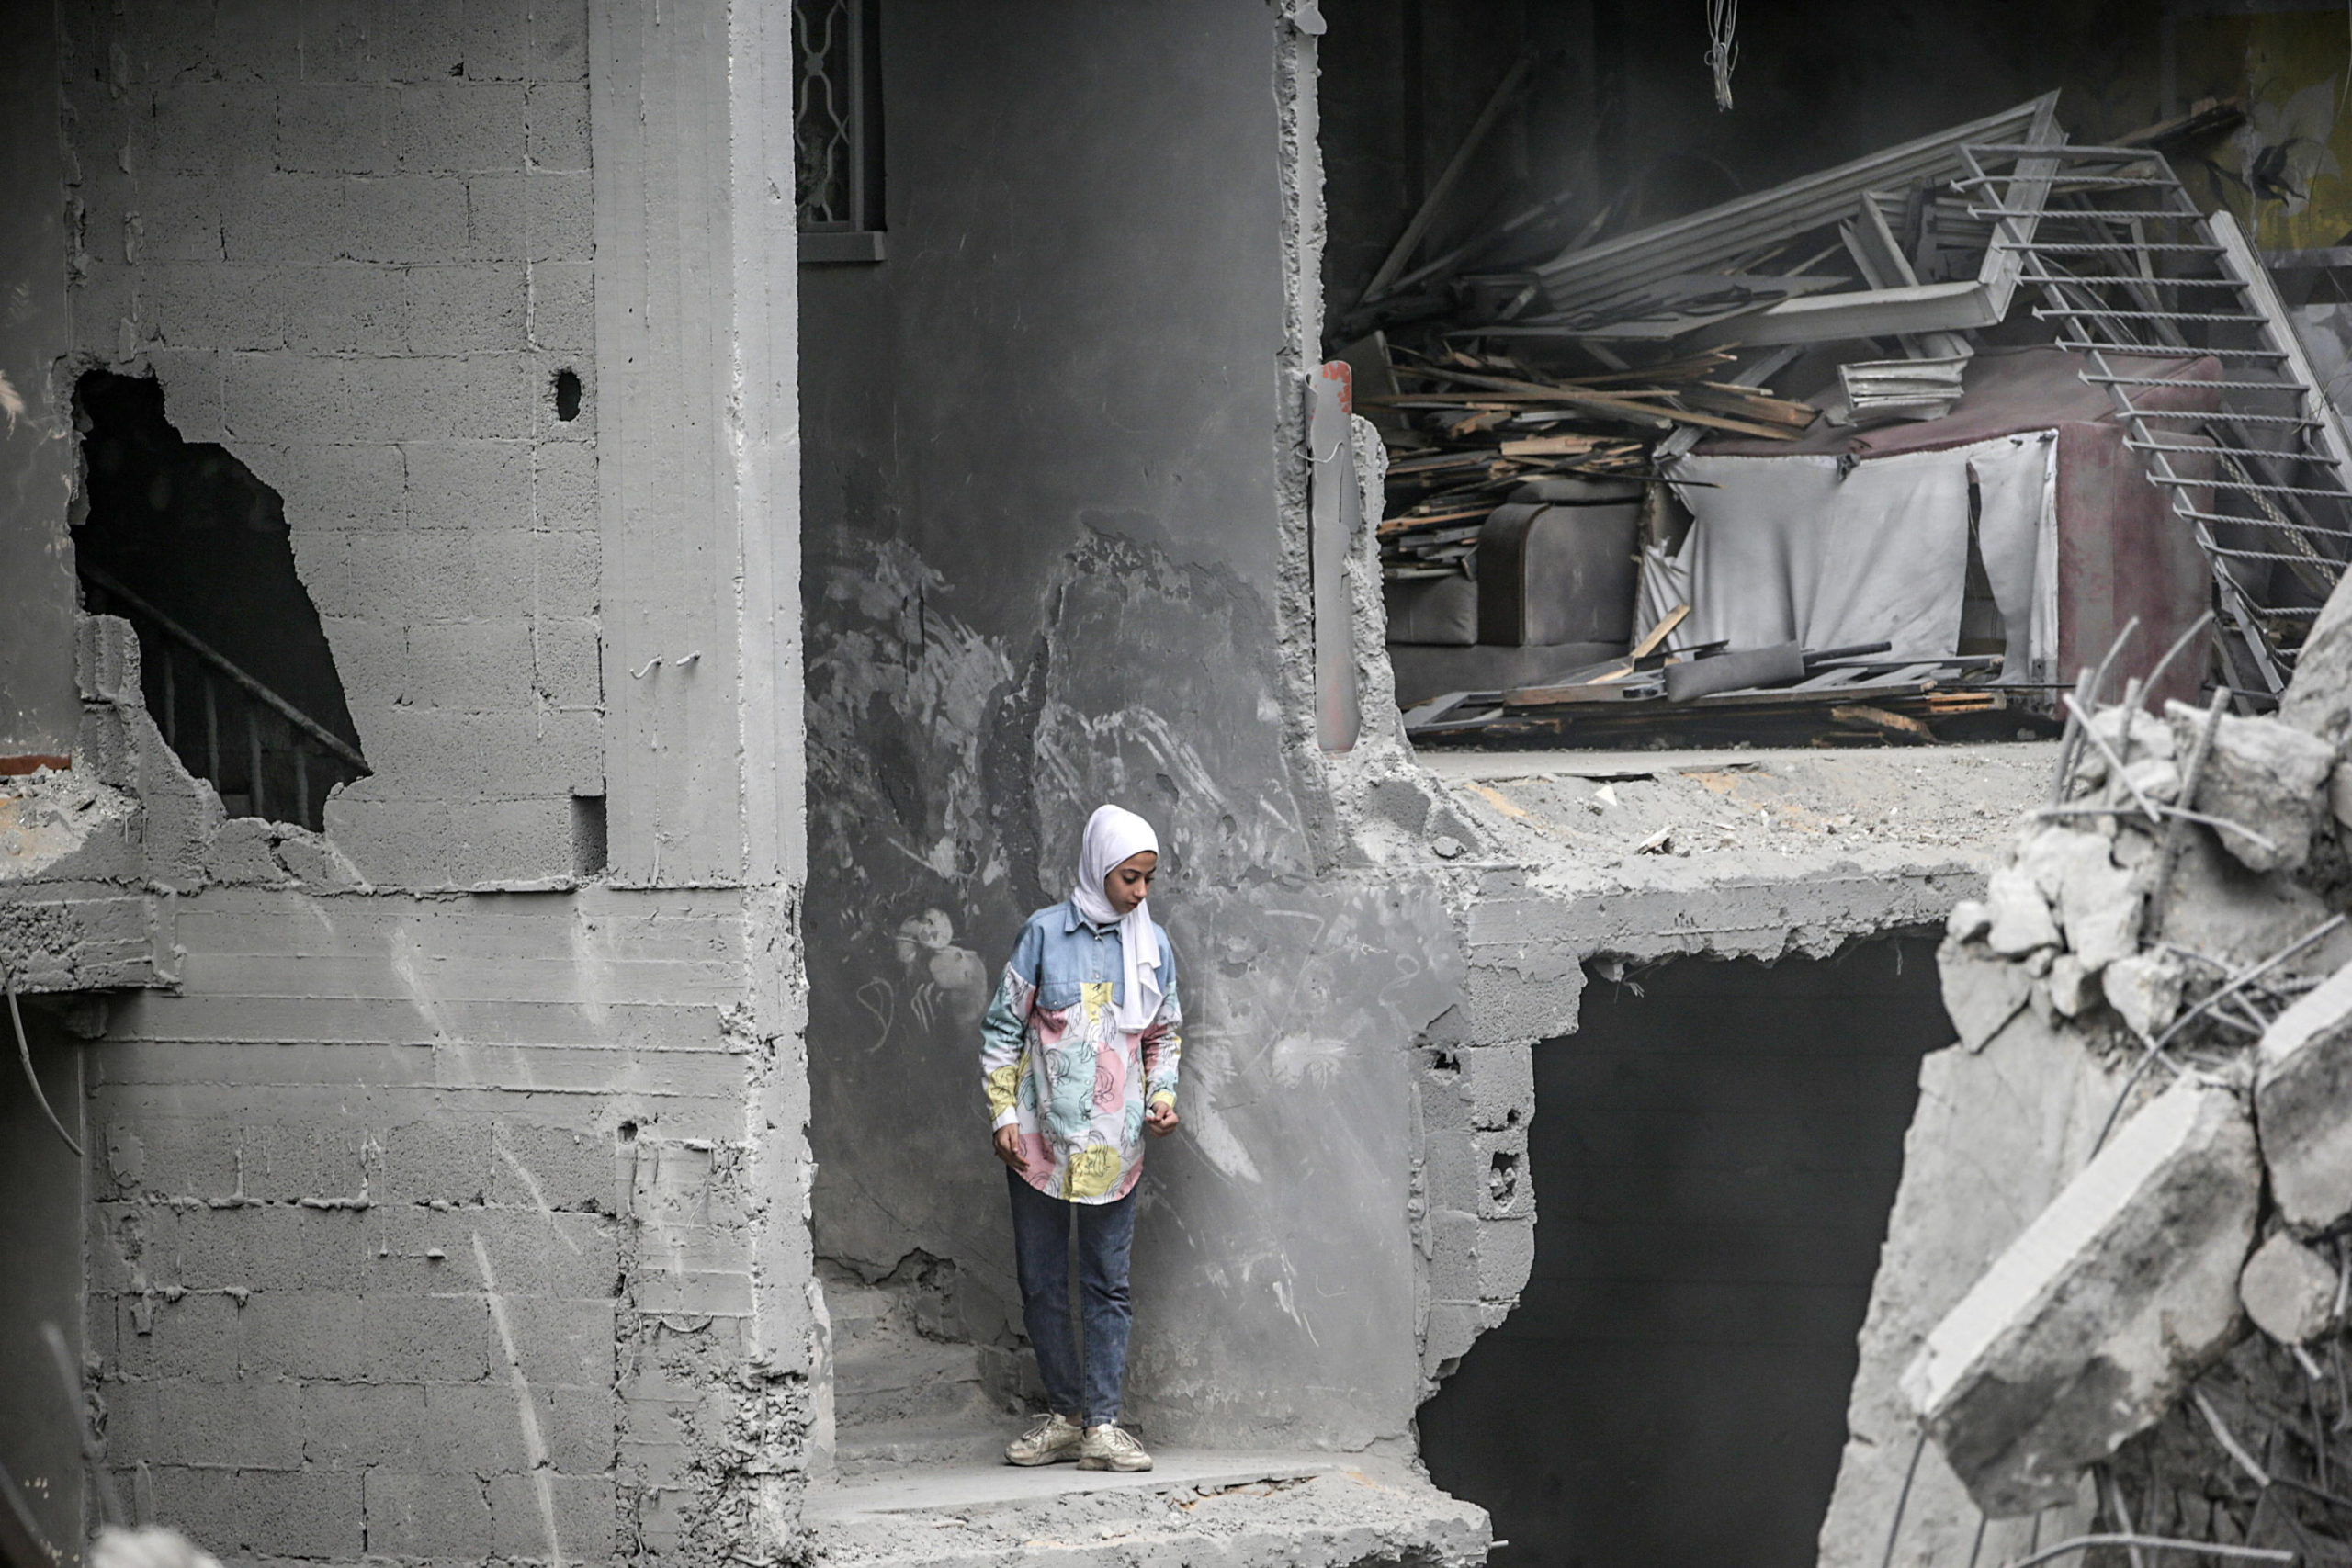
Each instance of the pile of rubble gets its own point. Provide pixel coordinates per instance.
(2159, 1352)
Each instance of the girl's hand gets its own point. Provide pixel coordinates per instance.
(1007, 1142)
(1160, 1119)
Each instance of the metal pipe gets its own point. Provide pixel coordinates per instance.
(256, 799)
(211, 729)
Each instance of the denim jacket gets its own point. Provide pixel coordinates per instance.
(1054, 1062)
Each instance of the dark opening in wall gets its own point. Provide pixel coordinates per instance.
(590, 837)
(1714, 1161)
(566, 390)
(180, 539)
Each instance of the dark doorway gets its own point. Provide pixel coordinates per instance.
(1714, 1152)
(183, 541)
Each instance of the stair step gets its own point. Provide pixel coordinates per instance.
(872, 1450)
(902, 1378)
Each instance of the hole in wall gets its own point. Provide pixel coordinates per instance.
(1502, 1177)
(1713, 1165)
(588, 835)
(565, 389)
(183, 541)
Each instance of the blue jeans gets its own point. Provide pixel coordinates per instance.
(1106, 1232)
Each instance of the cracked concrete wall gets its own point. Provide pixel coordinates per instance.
(354, 249)
(451, 1195)
(1056, 555)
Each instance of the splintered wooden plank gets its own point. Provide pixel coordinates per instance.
(1868, 716)
(1802, 698)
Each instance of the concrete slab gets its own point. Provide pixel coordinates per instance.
(1196, 1511)
(1451, 764)
(2083, 1331)
(960, 1488)
(2306, 1057)
(1663, 816)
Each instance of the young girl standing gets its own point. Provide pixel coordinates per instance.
(1077, 1055)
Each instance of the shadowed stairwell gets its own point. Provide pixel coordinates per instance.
(183, 541)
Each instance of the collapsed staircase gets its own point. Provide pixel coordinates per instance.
(2128, 265)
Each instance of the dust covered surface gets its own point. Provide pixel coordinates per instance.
(1668, 818)
(1362, 1513)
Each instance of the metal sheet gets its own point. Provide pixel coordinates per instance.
(1582, 277)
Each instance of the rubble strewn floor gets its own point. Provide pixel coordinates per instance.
(1655, 817)
(1198, 1509)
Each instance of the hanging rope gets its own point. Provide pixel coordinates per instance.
(1723, 47)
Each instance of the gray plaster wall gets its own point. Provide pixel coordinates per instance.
(39, 709)
(1055, 556)
(40, 1235)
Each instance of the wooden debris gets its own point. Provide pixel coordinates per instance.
(1655, 638)
(1900, 725)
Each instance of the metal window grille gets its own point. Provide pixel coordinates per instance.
(836, 126)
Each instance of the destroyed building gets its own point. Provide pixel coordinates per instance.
(572, 570)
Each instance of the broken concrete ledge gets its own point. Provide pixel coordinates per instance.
(2304, 1084)
(1196, 1510)
(2087, 1328)
(2001, 1125)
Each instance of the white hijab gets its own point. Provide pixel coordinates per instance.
(1113, 834)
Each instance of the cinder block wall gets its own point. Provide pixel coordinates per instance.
(354, 241)
(369, 1275)
(435, 1221)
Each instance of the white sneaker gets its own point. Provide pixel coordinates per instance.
(1111, 1447)
(1051, 1440)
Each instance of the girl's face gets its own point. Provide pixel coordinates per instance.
(1129, 883)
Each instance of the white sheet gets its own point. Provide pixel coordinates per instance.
(1786, 550)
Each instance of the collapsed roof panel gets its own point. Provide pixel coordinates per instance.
(1585, 279)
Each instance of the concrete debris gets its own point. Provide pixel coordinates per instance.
(1998, 1133)
(2021, 920)
(2301, 1098)
(2098, 901)
(2288, 1290)
(2134, 735)
(2087, 1328)
(2261, 774)
(2144, 991)
(2215, 906)
(1982, 993)
(1970, 918)
(2153, 778)
(2073, 985)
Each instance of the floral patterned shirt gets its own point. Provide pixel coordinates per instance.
(1054, 1062)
